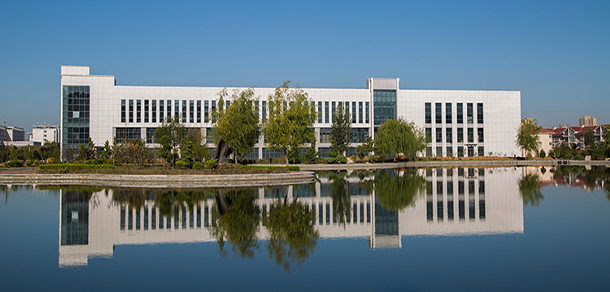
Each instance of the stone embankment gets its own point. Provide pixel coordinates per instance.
(160, 181)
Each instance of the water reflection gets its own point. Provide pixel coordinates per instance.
(287, 221)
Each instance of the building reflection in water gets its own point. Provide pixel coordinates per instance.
(381, 206)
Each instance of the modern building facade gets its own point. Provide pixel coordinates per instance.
(44, 133)
(458, 122)
(12, 134)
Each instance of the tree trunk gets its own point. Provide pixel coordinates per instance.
(286, 155)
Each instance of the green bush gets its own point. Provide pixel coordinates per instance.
(211, 164)
(568, 156)
(579, 157)
(15, 163)
(294, 168)
(341, 159)
(330, 160)
(552, 154)
(373, 159)
(198, 165)
(383, 157)
(75, 166)
(542, 154)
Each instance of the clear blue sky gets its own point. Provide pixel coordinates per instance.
(557, 53)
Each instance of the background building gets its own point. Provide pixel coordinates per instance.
(11, 134)
(587, 121)
(460, 122)
(44, 133)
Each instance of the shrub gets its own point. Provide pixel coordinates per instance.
(15, 163)
(568, 156)
(75, 166)
(294, 168)
(383, 157)
(182, 164)
(330, 160)
(552, 154)
(373, 159)
(542, 154)
(341, 159)
(211, 164)
(579, 157)
(198, 165)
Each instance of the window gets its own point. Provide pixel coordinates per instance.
(358, 135)
(460, 151)
(479, 113)
(122, 110)
(470, 151)
(161, 108)
(428, 151)
(460, 135)
(460, 113)
(480, 132)
(228, 103)
(206, 110)
(154, 111)
(138, 111)
(199, 111)
(354, 112)
(169, 109)
(264, 110)
(469, 113)
(428, 113)
(439, 135)
(131, 110)
(438, 113)
(384, 106)
(367, 112)
(360, 112)
(449, 151)
(325, 135)
(257, 109)
(191, 111)
(448, 117)
(326, 112)
(127, 134)
(319, 112)
(184, 111)
(470, 135)
(481, 151)
(176, 109)
(333, 107)
(146, 108)
(150, 135)
(439, 151)
(449, 135)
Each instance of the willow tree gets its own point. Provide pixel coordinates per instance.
(397, 136)
(527, 135)
(238, 124)
(290, 121)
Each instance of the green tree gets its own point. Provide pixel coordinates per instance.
(527, 135)
(238, 125)
(397, 136)
(170, 134)
(366, 148)
(589, 138)
(340, 130)
(107, 152)
(292, 236)
(289, 126)
(86, 152)
(311, 154)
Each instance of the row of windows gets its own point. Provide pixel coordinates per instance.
(357, 135)
(438, 113)
(471, 151)
(438, 134)
(359, 111)
(442, 189)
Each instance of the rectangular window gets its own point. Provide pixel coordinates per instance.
(161, 108)
(480, 132)
(360, 112)
(460, 151)
(326, 112)
(479, 113)
(154, 111)
(206, 110)
(470, 151)
(438, 113)
(428, 151)
(470, 135)
(229, 103)
(448, 117)
(353, 112)
(264, 110)
(150, 135)
(334, 109)
(460, 113)
(428, 113)
(146, 110)
(319, 112)
(469, 113)
(367, 112)
(439, 135)
(131, 110)
(449, 135)
(184, 111)
(481, 151)
(439, 151)
(199, 111)
(340, 104)
(449, 151)
(257, 109)
(191, 111)
(325, 135)
(176, 109)
(169, 109)
(460, 135)
(138, 111)
(122, 110)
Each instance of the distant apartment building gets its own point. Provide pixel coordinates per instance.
(44, 133)
(573, 136)
(11, 134)
(587, 121)
(545, 140)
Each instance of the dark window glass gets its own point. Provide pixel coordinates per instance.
(177, 109)
(449, 151)
(367, 112)
(206, 110)
(354, 112)
(448, 117)
(439, 135)
(199, 111)
(358, 135)
(154, 111)
(428, 113)
(439, 151)
(384, 106)
(122, 110)
(460, 135)
(460, 113)
(127, 134)
(429, 134)
(325, 135)
(449, 135)
(333, 111)
(438, 113)
(319, 112)
(146, 110)
(191, 111)
(150, 135)
(470, 135)
(326, 109)
(460, 151)
(264, 110)
(131, 110)
(169, 109)
(469, 113)
(479, 113)
(138, 111)
(360, 119)
(480, 134)
(481, 151)
(161, 108)
(184, 111)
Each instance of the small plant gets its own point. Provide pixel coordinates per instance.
(198, 165)
(210, 164)
(373, 159)
(182, 164)
(383, 157)
(568, 156)
(341, 159)
(15, 163)
(542, 154)
(330, 160)
(579, 157)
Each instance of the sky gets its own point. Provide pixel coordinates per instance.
(557, 53)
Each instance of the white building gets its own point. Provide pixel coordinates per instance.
(44, 133)
(11, 134)
(459, 122)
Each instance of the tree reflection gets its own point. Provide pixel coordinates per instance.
(238, 222)
(342, 200)
(396, 189)
(292, 236)
(529, 188)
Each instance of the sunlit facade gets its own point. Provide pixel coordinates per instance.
(458, 122)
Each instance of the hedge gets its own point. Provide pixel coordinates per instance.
(75, 166)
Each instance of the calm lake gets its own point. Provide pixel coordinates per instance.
(464, 229)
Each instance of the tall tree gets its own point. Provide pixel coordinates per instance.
(589, 138)
(289, 126)
(527, 135)
(341, 130)
(170, 134)
(397, 136)
(238, 125)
